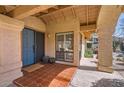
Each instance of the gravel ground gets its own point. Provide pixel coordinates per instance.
(11, 85)
(109, 83)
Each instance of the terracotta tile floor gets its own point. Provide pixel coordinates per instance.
(50, 75)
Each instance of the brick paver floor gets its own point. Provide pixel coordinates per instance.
(50, 75)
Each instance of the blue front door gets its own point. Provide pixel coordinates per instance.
(27, 47)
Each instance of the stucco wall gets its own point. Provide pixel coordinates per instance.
(34, 23)
(62, 26)
(106, 26)
(10, 53)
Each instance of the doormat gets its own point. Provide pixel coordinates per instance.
(33, 67)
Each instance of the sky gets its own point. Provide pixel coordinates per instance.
(119, 30)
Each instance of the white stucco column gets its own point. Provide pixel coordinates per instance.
(10, 49)
(83, 46)
(106, 26)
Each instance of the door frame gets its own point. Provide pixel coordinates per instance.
(21, 44)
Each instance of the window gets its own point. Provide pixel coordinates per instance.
(89, 45)
(64, 46)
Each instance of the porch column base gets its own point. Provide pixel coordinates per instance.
(105, 69)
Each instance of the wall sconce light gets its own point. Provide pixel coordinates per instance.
(48, 35)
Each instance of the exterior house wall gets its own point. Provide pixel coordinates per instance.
(10, 49)
(34, 23)
(63, 26)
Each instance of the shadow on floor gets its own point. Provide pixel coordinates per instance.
(104, 82)
(94, 62)
(119, 69)
(120, 64)
(87, 68)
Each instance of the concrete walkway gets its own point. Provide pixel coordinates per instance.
(119, 67)
(88, 76)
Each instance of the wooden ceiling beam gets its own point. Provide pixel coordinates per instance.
(2, 9)
(87, 14)
(46, 11)
(55, 7)
(64, 17)
(25, 10)
(122, 8)
(88, 28)
(61, 8)
(9, 8)
(52, 10)
(73, 12)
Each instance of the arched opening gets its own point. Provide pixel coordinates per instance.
(89, 48)
(102, 51)
(118, 44)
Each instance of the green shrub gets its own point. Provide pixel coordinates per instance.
(120, 59)
(88, 54)
(122, 46)
(123, 59)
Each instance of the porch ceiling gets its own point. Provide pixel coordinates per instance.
(87, 14)
(4, 9)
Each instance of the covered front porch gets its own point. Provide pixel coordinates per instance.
(65, 31)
